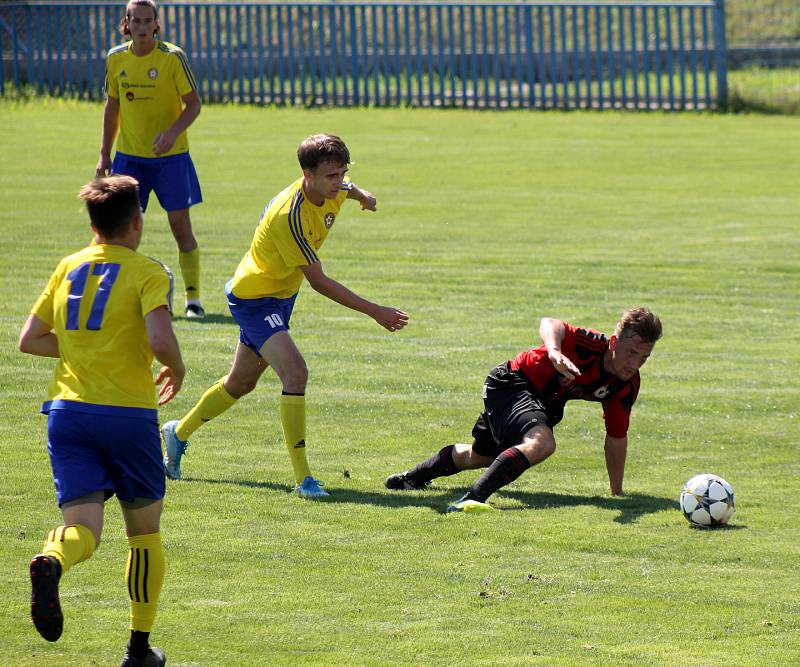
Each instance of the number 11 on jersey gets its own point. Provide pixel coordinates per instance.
(78, 278)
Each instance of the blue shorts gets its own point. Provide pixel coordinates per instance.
(259, 319)
(173, 179)
(110, 452)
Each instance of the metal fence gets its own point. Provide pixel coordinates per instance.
(638, 55)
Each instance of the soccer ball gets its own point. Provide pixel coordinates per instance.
(707, 500)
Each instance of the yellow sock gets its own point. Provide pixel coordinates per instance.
(190, 270)
(293, 420)
(212, 404)
(144, 576)
(70, 545)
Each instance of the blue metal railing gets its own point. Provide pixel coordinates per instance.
(595, 55)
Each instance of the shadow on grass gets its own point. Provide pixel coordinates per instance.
(212, 318)
(630, 507)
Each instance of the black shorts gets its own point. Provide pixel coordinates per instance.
(512, 407)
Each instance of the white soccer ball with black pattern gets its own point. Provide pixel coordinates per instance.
(707, 500)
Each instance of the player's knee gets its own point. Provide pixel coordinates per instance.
(240, 386)
(295, 378)
(539, 446)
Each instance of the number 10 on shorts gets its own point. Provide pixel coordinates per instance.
(274, 320)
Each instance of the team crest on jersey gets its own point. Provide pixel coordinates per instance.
(329, 218)
(152, 73)
(601, 392)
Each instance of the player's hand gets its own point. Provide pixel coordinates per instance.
(103, 167)
(390, 319)
(563, 365)
(164, 142)
(172, 381)
(368, 201)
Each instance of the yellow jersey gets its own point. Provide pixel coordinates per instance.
(149, 89)
(96, 302)
(289, 235)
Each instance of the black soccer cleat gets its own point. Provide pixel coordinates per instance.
(45, 607)
(155, 658)
(399, 482)
(194, 311)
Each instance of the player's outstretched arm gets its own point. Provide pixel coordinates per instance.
(552, 332)
(110, 129)
(616, 450)
(166, 349)
(37, 338)
(364, 197)
(389, 318)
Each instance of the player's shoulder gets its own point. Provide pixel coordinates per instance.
(288, 200)
(117, 51)
(85, 254)
(591, 337)
(152, 265)
(170, 48)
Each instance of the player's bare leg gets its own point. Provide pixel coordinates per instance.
(537, 444)
(280, 352)
(246, 370)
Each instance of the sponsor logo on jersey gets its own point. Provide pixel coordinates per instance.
(129, 96)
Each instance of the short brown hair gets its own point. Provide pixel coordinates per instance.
(124, 24)
(640, 322)
(320, 148)
(112, 203)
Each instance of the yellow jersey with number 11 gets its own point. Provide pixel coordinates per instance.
(96, 302)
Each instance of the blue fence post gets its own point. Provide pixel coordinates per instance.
(682, 59)
(623, 54)
(587, 58)
(706, 60)
(693, 51)
(720, 54)
(671, 79)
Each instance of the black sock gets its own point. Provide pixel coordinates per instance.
(139, 644)
(504, 470)
(438, 465)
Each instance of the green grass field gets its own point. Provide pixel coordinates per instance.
(486, 223)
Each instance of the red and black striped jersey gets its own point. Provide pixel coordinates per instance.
(585, 348)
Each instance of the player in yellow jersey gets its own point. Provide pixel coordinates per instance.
(105, 314)
(151, 100)
(262, 293)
